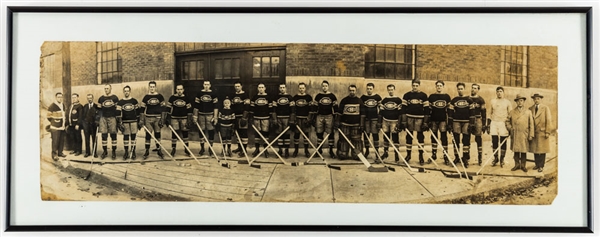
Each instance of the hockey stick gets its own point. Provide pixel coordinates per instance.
(93, 154)
(247, 161)
(493, 154)
(315, 152)
(130, 152)
(377, 153)
(269, 146)
(460, 159)
(224, 164)
(422, 148)
(398, 151)
(186, 147)
(223, 146)
(159, 144)
(362, 157)
(445, 153)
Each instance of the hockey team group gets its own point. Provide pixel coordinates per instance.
(359, 121)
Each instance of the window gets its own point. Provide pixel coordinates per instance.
(514, 66)
(193, 70)
(109, 62)
(227, 68)
(265, 67)
(390, 62)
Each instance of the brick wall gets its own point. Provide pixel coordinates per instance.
(325, 60)
(459, 63)
(147, 61)
(191, 46)
(543, 67)
(83, 63)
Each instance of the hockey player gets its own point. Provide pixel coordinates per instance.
(372, 123)
(415, 117)
(240, 104)
(261, 110)
(304, 113)
(477, 119)
(351, 117)
(500, 107)
(390, 119)
(327, 106)
(127, 117)
(205, 113)
(284, 108)
(460, 111)
(108, 121)
(75, 124)
(180, 110)
(439, 102)
(153, 117)
(56, 117)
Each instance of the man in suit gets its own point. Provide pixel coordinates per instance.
(74, 122)
(90, 124)
(540, 145)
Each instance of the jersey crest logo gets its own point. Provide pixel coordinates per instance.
(237, 100)
(206, 98)
(128, 107)
(371, 103)
(108, 103)
(325, 101)
(153, 101)
(475, 105)
(351, 109)
(301, 102)
(390, 105)
(439, 104)
(283, 101)
(179, 103)
(74, 111)
(462, 104)
(415, 101)
(261, 101)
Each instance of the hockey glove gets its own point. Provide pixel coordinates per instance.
(425, 125)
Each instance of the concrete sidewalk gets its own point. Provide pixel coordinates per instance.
(205, 179)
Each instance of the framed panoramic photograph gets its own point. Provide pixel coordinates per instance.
(298, 119)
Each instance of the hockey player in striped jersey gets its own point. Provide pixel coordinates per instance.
(128, 114)
(284, 108)
(389, 117)
(372, 123)
(478, 119)
(180, 111)
(351, 117)
(262, 110)
(108, 122)
(226, 119)
(439, 102)
(460, 111)
(415, 107)
(327, 106)
(240, 104)
(205, 113)
(304, 113)
(153, 117)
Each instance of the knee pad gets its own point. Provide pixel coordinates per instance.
(125, 138)
(408, 139)
(466, 140)
(211, 135)
(320, 135)
(113, 136)
(157, 135)
(478, 140)
(132, 137)
(104, 136)
(420, 137)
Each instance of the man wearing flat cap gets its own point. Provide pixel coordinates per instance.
(520, 126)
(540, 145)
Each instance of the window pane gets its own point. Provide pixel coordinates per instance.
(403, 71)
(379, 54)
(256, 67)
(109, 68)
(104, 78)
(389, 70)
(200, 70)
(275, 66)
(379, 70)
(114, 65)
(369, 67)
(218, 69)
(390, 55)
(227, 68)
(370, 55)
(266, 66)
(186, 71)
(192, 71)
(235, 71)
(519, 58)
(400, 55)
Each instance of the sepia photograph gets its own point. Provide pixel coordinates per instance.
(298, 122)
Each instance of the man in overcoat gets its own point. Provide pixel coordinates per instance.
(540, 145)
(520, 127)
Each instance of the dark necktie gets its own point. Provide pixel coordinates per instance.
(536, 108)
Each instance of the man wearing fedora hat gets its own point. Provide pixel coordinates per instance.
(540, 145)
(521, 128)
